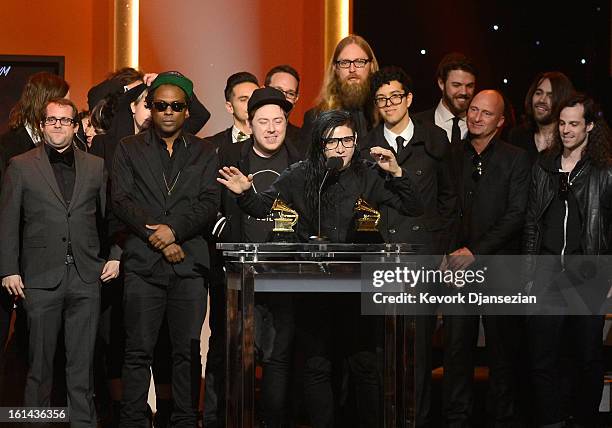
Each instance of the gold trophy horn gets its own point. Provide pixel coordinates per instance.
(368, 217)
(287, 217)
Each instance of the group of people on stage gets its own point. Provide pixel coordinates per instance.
(125, 195)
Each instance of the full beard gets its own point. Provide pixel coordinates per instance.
(353, 96)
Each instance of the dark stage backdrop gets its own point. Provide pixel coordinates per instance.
(512, 40)
(14, 73)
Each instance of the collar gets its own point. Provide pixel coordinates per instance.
(407, 134)
(486, 152)
(180, 137)
(235, 132)
(35, 138)
(445, 114)
(65, 157)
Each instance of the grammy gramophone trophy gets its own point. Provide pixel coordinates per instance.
(285, 219)
(366, 223)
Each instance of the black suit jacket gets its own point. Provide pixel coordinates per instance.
(427, 116)
(31, 197)
(140, 197)
(221, 138)
(499, 203)
(426, 159)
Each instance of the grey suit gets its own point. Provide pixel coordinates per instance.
(36, 228)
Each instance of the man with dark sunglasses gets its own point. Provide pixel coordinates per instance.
(164, 191)
(492, 179)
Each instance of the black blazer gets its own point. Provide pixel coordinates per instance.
(426, 159)
(499, 204)
(427, 116)
(221, 138)
(31, 197)
(139, 197)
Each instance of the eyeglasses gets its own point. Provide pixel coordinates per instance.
(290, 95)
(395, 99)
(478, 167)
(564, 185)
(176, 106)
(64, 121)
(332, 143)
(358, 63)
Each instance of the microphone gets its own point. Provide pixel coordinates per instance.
(332, 164)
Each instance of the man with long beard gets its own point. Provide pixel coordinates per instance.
(544, 97)
(457, 81)
(346, 85)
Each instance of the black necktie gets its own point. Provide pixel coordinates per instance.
(400, 144)
(456, 131)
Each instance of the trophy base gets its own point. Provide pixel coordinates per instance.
(370, 237)
(290, 237)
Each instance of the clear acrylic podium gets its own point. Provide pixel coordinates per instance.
(308, 268)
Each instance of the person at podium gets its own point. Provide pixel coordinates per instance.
(324, 190)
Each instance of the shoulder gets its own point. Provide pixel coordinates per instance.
(425, 116)
(219, 137)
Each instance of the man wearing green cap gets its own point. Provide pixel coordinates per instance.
(164, 190)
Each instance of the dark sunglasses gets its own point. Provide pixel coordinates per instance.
(564, 185)
(176, 106)
(478, 167)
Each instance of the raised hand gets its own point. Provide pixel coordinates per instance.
(234, 180)
(386, 160)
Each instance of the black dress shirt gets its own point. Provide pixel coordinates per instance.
(63, 168)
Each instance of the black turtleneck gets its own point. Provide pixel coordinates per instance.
(64, 170)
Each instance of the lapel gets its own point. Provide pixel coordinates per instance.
(79, 170)
(44, 166)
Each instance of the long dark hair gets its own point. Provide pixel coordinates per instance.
(599, 146)
(562, 89)
(323, 126)
(30, 109)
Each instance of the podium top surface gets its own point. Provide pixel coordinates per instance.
(255, 252)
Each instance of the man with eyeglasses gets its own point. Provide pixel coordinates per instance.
(346, 86)
(53, 201)
(286, 79)
(492, 179)
(164, 191)
(423, 151)
(456, 78)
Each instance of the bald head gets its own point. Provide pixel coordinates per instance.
(486, 114)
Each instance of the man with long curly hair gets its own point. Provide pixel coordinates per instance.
(568, 217)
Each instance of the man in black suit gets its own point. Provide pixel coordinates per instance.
(286, 79)
(164, 190)
(52, 200)
(23, 135)
(456, 78)
(238, 90)
(492, 179)
(422, 150)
